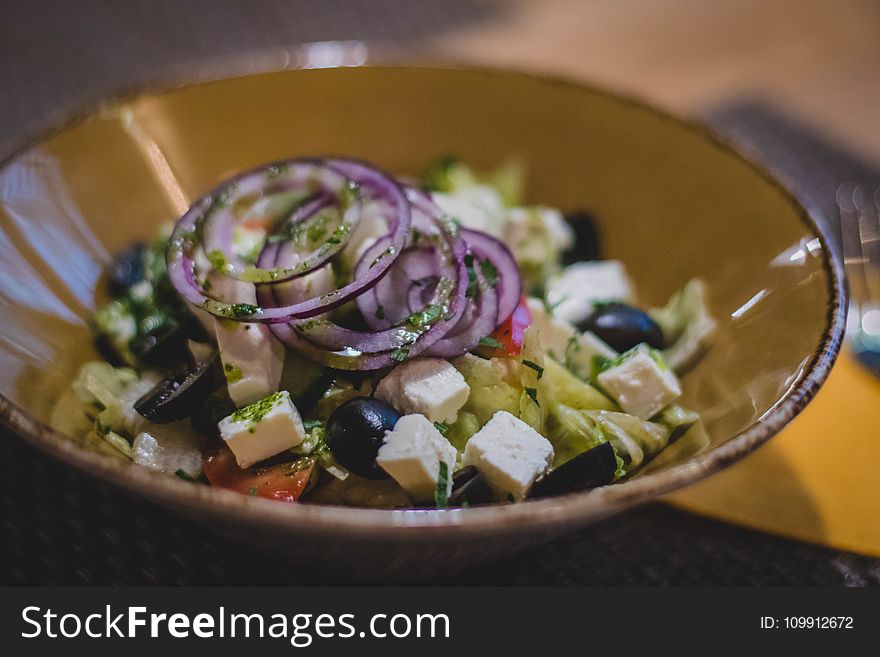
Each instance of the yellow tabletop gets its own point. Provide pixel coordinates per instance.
(819, 480)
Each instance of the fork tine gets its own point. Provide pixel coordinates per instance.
(853, 257)
(869, 237)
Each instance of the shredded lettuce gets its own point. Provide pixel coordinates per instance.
(687, 324)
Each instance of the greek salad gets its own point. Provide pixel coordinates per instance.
(318, 331)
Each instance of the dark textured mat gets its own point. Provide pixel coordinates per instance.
(61, 527)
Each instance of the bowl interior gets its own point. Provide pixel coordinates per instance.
(670, 202)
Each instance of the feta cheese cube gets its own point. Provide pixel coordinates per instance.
(641, 382)
(562, 341)
(252, 357)
(509, 453)
(573, 292)
(263, 429)
(412, 453)
(430, 386)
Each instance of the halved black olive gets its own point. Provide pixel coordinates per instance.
(355, 432)
(623, 327)
(179, 395)
(469, 488)
(167, 347)
(590, 469)
(126, 269)
(586, 246)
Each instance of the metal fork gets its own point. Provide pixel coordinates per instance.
(859, 208)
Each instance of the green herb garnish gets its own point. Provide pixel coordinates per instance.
(533, 393)
(255, 412)
(380, 312)
(243, 309)
(441, 495)
(427, 316)
(490, 272)
(442, 427)
(399, 354)
(489, 341)
(472, 275)
(252, 491)
(534, 366)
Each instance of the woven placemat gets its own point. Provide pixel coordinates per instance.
(61, 527)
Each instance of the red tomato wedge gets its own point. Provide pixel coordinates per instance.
(509, 334)
(285, 482)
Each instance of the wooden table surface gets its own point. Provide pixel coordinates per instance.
(818, 59)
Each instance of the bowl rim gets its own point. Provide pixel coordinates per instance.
(416, 524)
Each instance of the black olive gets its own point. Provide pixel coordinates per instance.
(355, 432)
(586, 246)
(166, 347)
(216, 407)
(623, 327)
(126, 269)
(590, 469)
(179, 395)
(469, 488)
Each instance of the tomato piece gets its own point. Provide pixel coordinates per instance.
(285, 482)
(509, 334)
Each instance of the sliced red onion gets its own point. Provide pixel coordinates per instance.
(412, 285)
(478, 321)
(371, 182)
(508, 284)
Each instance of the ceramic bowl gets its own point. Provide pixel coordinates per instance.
(671, 201)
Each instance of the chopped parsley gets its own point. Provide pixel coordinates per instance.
(380, 312)
(472, 276)
(252, 491)
(243, 309)
(490, 272)
(399, 354)
(533, 393)
(255, 412)
(430, 314)
(309, 425)
(442, 427)
(534, 366)
(441, 495)
(489, 341)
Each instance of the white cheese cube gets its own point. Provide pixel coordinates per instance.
(562, 342)
(169, 448)
(412, 453)
(509, 453)
(478, 206)
(263, 429)
(641, 382)
(573, 292)
(430, 386)
(252, 357)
